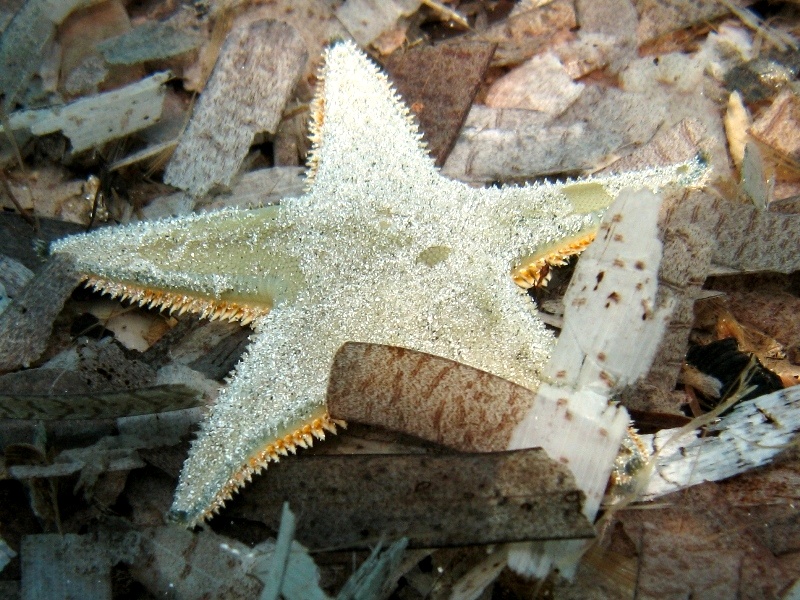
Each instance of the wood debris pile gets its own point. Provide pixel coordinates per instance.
(114, 112)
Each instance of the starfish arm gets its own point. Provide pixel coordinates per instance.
(268, 410)
(360, 128)
(230, 263)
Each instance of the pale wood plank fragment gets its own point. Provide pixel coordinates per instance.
(94, 120)
(255, 73)
(612, 327)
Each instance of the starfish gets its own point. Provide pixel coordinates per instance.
(381, 249)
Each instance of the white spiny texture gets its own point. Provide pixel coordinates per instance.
(381, 249)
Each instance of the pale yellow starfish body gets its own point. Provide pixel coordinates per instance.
(380, 249)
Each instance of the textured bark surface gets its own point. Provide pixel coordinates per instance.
(432, 499)
(255, 73)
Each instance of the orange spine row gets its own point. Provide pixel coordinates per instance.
(177, 303)
(536, 272)
(272, 452)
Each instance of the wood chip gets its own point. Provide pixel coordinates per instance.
(94, 120)
(109, 405)
(439, 83)
(686, 263)
(531, 27)
(657, 18)
(724, 559)
(541, 84)
(19, 241)
(176, 562)
(750, 436)
(256, 72)
(752, 240)
(433, 499)
(13, 276)
(82, 69)
(368, 19)
(680, 143)
(612, 327)
(154, 40)
(779, 126)
(25, 325)
(56, 567)
(427, 396)
(25, 42)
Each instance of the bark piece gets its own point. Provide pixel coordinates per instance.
(94, 120)
(749, 239)
(434, 500)
(427, 396)
(697, 545)
(439, 83)
(528, 29)
(109, 405)
(657, 18)
(256, 71)
(176, 562)
(25, 41)
(13, 277)
(779, 126)
(153, 40)
(59, 567)
(366, 20)
(25, 325)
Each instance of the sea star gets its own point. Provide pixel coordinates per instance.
(381, 249)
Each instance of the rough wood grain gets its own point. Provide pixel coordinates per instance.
(25, 41)
(747, 239)
(93, 120)
(56, 567)
(427, 396)
(434, 500)
(26, 323)
(439, 83)
(256, 71)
